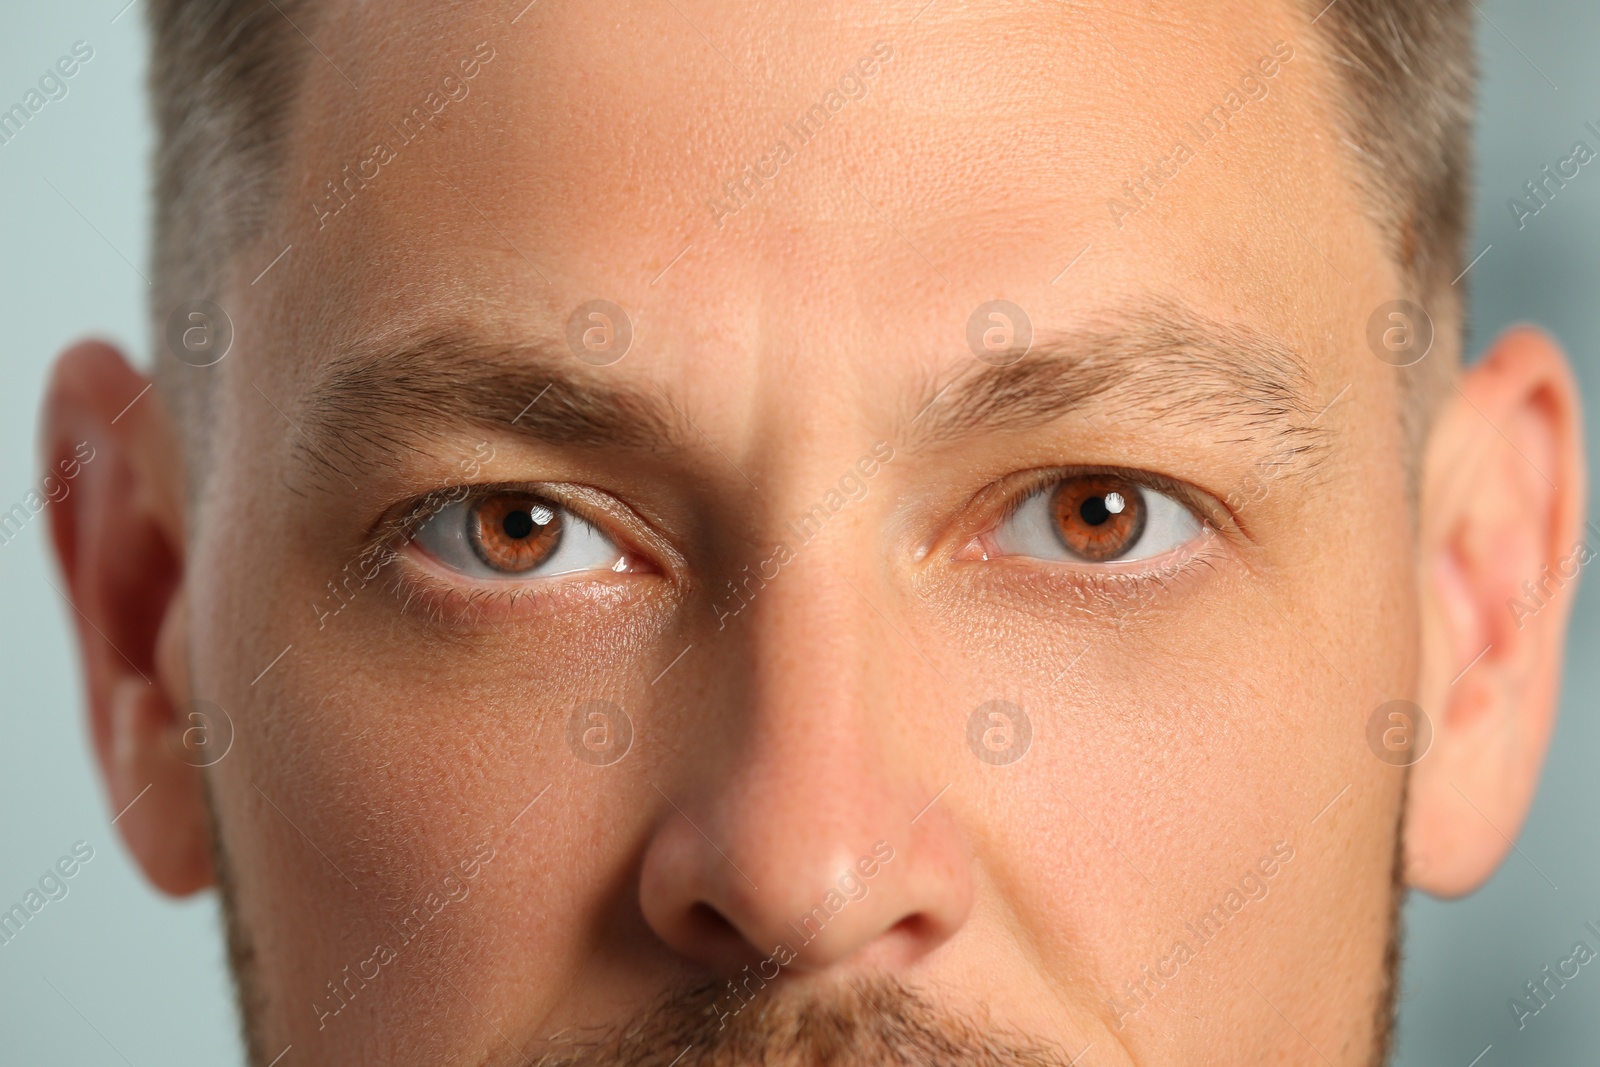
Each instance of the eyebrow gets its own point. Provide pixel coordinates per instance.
(373, 400)
(1160, 361)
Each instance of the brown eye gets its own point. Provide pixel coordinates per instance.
(514, 532)
(1098, 517)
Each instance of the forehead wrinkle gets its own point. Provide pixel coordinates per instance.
(378, 399)
(1159, 361)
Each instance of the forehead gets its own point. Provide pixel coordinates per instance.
(833, 188)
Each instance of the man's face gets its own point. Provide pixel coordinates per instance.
(825, 642)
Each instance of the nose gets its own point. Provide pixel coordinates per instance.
(807, 837)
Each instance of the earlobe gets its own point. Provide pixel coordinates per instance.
(1501, 534)
(159, 798)
(118, 536)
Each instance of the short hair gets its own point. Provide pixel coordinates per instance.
(224, 75)
(1409, 74)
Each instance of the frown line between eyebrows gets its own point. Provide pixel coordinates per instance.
(1158, 363)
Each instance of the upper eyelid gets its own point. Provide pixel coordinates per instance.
(619, 523)
(397, 525)
(420, 509)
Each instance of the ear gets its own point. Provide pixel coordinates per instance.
(118, 536)
(1502, 538)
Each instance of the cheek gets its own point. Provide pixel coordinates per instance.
(1178, 736)
(376, 754)
(390, 767)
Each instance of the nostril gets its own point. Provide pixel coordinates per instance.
(708, 926)
(818, 904)
(908, 939)
(706, 921)
(913, 927)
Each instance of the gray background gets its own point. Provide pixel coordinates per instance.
(116, 973)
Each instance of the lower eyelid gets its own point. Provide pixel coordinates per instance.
(1099, 590)
(425, 586)
(1122, 570)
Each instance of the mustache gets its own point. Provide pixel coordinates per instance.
(863, 1023)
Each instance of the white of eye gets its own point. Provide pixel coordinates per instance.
(444, 536)
(1030, 530)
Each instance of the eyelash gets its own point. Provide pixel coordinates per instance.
(453, 603)
(449, 605)
(1102, 582)
(1030, 482)
(1115, 590)
(1104, 585)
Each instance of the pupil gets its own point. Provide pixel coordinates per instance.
(517, 525)
(1094, 511)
